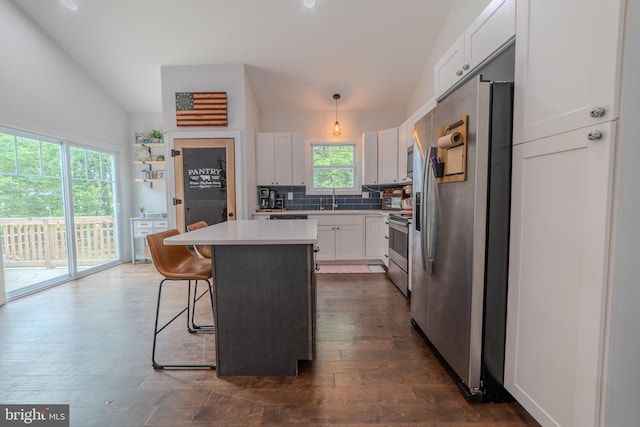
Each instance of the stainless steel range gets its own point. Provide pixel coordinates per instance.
(399, 252)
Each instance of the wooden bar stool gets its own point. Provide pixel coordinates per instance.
(177, 263)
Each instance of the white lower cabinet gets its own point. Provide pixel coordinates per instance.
(349, 242)
(561, 207)
(340, 237)
(140, 229)
(326, 243)
(374, 237)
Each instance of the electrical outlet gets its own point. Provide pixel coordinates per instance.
(290, 195)
(365, 194)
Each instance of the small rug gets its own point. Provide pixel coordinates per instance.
(350, 268)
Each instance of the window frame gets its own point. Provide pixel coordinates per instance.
(357, 165)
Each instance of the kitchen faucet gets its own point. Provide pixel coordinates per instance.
(334, 205)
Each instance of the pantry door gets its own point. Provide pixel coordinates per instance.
(204, 181)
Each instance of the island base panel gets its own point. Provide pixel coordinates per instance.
(265, 308)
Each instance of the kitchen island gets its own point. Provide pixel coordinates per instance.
(264, 294)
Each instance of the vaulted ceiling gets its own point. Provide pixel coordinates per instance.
(370, 51)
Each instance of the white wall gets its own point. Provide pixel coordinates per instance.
(228, 78)
(319, 124)
(45, 92)
(461, 14)
(622, 369)
(252, 124)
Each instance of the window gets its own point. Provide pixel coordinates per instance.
(334, 166)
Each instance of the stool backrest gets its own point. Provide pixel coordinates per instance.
(203, 250)
(167, 258)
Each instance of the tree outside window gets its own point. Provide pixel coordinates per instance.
(334, 166)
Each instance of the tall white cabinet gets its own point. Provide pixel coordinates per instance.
(566, 93)
(273, 158)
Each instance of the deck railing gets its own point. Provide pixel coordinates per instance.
(41, 242)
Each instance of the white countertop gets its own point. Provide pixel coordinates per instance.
(251, 232)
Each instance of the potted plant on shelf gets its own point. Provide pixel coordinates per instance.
(141, 208)
(155, 136)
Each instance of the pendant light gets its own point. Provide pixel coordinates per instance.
(336, 127)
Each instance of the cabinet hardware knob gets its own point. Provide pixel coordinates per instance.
(597, 112)
(594, 135)
(465, 67)
(459, 73)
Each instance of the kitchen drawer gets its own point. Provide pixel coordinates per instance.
(333, 219)
(142, 232)
(162, 224)
(143, 224)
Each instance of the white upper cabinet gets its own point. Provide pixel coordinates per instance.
(567, 66)
(405, 140)
(370, 160)
(449, 69)
(388, 156)
(495, 26)
(297, 159)
(273, 159)
(489, 32)
(265, 159)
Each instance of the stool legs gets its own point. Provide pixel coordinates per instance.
(188, 309)
(191, 326)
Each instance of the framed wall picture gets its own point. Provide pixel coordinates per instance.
(142, 138)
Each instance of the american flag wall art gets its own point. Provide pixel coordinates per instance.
(201, 108)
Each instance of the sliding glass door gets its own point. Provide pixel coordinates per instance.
(92, 189)
(57, 211)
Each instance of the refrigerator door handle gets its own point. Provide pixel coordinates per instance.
(422, 219)
(432, 211)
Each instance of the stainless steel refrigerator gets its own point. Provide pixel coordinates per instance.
(461, 237)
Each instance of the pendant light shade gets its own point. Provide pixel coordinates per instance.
(336, 127)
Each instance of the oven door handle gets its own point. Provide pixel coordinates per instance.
(399, 226)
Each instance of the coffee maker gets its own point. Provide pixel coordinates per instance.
(264, 198)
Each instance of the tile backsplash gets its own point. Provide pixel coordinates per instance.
(302, 201)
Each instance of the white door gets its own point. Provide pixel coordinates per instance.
(388, 156)
(561, 197)
(326, 243)
(265, 159)
(567, 65)
(349, 242)
(282, 159)
(495, 26)
(370, 166)
(298, 161)
(448, 70)
(374, 237)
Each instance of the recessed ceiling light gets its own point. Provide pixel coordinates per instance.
(310, 3)
(71, 4)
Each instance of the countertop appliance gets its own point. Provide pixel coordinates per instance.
(461, 237)
(399, 252)
(392, 199)
(264, 198)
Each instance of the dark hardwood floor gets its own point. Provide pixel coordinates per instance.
(88, 343)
